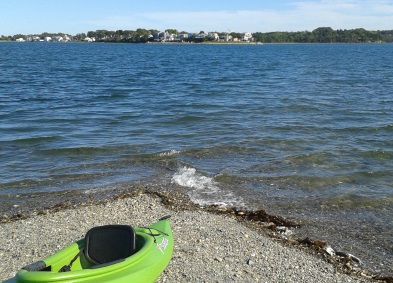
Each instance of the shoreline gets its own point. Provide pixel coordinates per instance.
(208, 43)
(233, 250)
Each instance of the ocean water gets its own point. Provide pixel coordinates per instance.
(303, 131)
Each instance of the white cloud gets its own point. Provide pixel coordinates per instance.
(345, 14)
(302, 15)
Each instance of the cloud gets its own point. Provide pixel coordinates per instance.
(345, 14)
(298, 16)
(303, 16)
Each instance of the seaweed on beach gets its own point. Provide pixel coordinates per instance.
(258, 216)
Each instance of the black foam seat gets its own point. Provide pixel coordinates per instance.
(105, 244)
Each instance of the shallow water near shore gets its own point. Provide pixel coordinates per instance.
(303, 131)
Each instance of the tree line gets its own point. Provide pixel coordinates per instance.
(326, 35)
(319, 35)
(133, 36)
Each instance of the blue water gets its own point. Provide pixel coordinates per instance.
(304, 131)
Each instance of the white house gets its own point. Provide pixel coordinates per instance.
(58, 38)
(247, 36)
(226, 37)
(213, 36)
(201, 35)
(159, 36)
(183, 36)
(47, 39)
(170, 36)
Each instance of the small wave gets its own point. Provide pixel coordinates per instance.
(80, 151)
(33, 140)
(378, 154)
(388, 128)
(186, 120)
(204, 190)
(352, 201)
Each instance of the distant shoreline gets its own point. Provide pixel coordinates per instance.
(207, 43)
(318, 35)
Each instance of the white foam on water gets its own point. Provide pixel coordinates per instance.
(204, 190)
(187, 177)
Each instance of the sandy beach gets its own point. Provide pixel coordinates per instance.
(209, 247)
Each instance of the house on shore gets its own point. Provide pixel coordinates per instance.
(213, 36)
(57, 39)
(90, 39)
(183, 36)
(247, 36)
(158, 36)
(226, 37)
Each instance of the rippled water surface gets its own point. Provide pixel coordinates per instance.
(304, 131)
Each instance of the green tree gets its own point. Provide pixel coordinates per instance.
(142, 35)
(91, 34)
(101, 34)
(235, 35)
(80, 36)
(172, 31)
(324, 35)
(118, 35)
(361, 35)
(16, 36)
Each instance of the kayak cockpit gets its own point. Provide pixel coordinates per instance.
(105, 244)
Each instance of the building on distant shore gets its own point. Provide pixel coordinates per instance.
(57, 39)
(247, 36)
(34, 38)
(226, 37)
(183, 36)
(90, 39)
(213, 36)
(170, 35)
(158, 36)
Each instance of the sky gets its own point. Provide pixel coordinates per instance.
(81, 16)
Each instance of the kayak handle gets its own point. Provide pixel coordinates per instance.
(36, 266)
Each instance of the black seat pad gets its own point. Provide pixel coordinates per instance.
(109, 243)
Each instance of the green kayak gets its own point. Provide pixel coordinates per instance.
(111, 253)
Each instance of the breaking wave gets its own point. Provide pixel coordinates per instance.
(204, 190)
